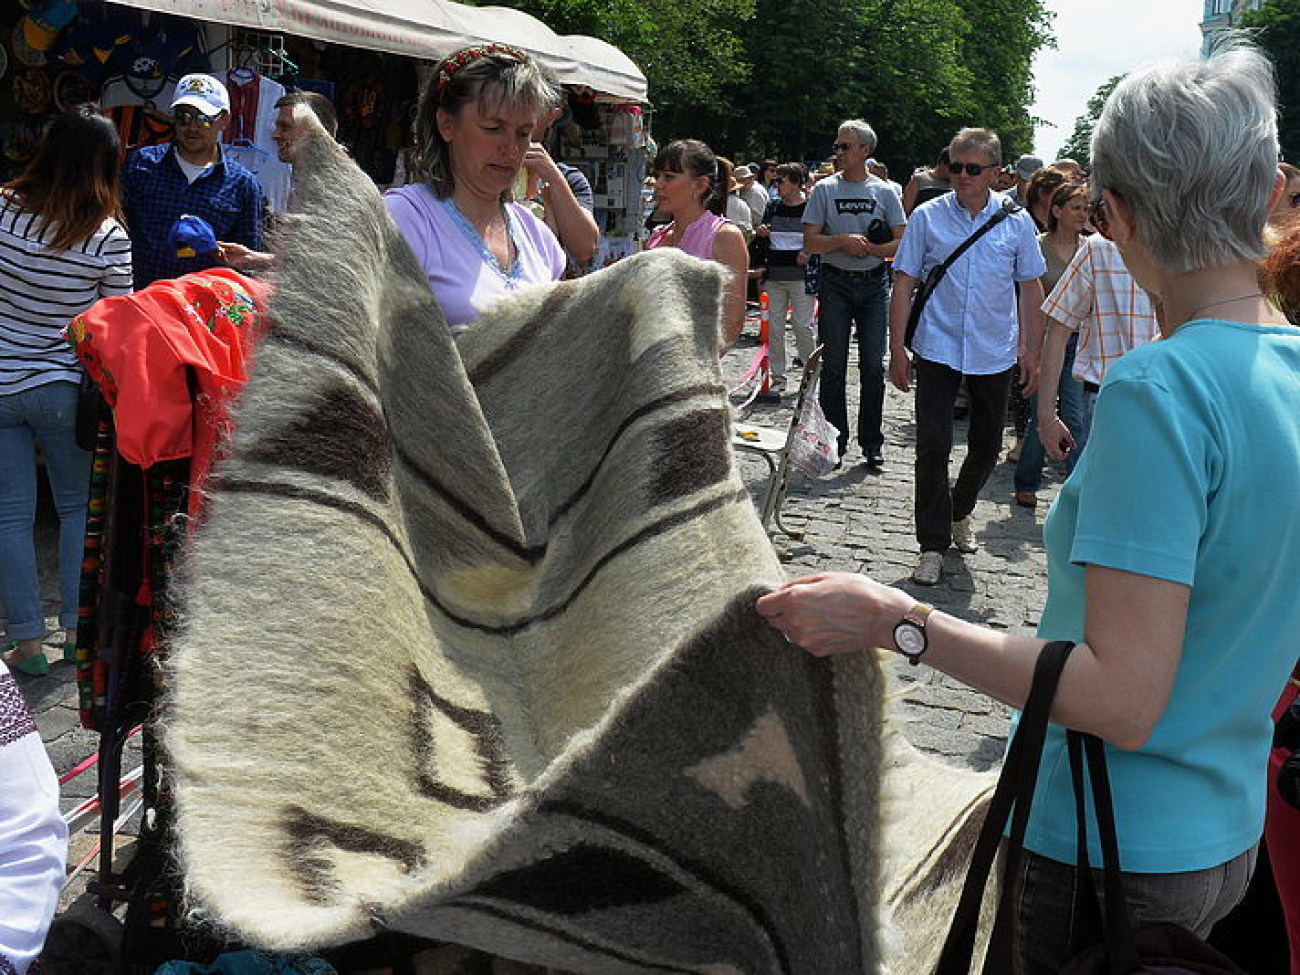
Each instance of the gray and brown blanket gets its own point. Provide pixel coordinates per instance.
(469, 649)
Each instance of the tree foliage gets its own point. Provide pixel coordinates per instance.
(1277, 30)
(757, 78)
(1079, 145)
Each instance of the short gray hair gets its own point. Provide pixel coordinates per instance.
(1192, 148)
(865, 133)
(979, 140)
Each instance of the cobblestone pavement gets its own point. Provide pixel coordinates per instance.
(854, 520)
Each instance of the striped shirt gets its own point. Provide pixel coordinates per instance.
(1098, 298)
(41, 290)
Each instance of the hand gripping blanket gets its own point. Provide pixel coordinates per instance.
(469, 649)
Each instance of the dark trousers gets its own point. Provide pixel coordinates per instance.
(937, 504)
(845, 302)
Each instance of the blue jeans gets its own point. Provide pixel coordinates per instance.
(846, 302)
(1070, 396)
(46, 415)
(1045, 936)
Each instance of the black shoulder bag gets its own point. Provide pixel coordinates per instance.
(1156, 948)
(936, 273)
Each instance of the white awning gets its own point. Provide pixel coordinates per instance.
(426, 29)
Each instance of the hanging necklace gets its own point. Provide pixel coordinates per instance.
(1223, 301)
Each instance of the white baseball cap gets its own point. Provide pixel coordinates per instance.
(203, 92)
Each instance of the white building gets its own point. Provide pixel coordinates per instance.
(1221, 15)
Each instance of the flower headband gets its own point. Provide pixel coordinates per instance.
(453, 63)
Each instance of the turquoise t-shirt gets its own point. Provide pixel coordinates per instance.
(1191, 474)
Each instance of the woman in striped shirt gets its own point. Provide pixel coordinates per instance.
(62, 248)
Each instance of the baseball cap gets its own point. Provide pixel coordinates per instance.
(203, 92)
(743, 172)
(1026, 166)
(192, 236)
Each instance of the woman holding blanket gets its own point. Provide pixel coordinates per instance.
(1173, 547)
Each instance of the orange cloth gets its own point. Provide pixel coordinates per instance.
(142, 348)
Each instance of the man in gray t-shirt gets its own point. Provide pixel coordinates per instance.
(854, 220)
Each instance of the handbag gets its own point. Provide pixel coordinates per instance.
(1164, 948)
(936, 274)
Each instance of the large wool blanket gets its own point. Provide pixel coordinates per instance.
(469, 648)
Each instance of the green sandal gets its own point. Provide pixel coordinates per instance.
(34, 666)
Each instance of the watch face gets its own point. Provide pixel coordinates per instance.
(910, 639)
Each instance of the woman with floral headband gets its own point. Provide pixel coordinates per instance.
(473, 135)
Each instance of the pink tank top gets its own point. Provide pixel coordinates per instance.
(697, 239)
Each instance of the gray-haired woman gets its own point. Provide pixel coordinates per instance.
(1173, 547)
(473, 132)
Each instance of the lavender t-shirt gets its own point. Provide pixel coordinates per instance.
(463, 280)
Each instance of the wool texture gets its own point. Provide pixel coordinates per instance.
(469, 649)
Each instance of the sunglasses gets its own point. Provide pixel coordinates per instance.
(1097, 214)
(974, 169)
(842, 146)
(184, 117)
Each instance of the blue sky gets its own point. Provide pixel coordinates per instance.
(1097, 39)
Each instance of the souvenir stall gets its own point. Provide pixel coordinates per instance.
(128, 55)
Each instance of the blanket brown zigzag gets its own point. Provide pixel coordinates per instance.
(469, 649)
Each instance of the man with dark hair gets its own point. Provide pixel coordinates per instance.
(190, 176)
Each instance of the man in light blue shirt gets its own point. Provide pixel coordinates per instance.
(976, 326)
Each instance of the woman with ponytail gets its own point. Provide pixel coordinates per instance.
(691, 186)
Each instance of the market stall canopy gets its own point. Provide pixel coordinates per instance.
(425, 29)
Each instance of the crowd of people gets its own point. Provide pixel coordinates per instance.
(1127, 308)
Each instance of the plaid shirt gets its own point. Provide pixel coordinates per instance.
(156, 193)
(1098, 298)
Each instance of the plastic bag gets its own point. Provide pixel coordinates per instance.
(815, 449)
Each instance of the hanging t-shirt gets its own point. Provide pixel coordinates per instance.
(248, 135)
(140, 108)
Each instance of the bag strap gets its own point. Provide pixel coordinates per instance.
(1118, 922)
(1006, 209)
(936, 273)
(1015, 790)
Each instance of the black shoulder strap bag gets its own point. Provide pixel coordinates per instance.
(936, 273)
(1167, 949)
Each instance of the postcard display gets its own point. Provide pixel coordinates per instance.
(612, 154)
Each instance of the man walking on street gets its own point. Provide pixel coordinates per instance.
(973, 327)
(191, 176)
(854, 221)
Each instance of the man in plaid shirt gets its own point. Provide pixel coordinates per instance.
(190, 176)
(1097, 298)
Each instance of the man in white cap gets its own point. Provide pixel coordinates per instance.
(190, 176)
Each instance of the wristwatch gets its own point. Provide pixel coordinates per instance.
(909, 633)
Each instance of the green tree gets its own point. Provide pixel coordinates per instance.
(759, 78)
(1277, 27)
(1079, 145)
(689, 52)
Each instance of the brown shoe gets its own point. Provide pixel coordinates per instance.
(1027, 499)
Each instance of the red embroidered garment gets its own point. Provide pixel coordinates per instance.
(141, 349)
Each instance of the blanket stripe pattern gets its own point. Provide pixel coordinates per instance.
(469, 649)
